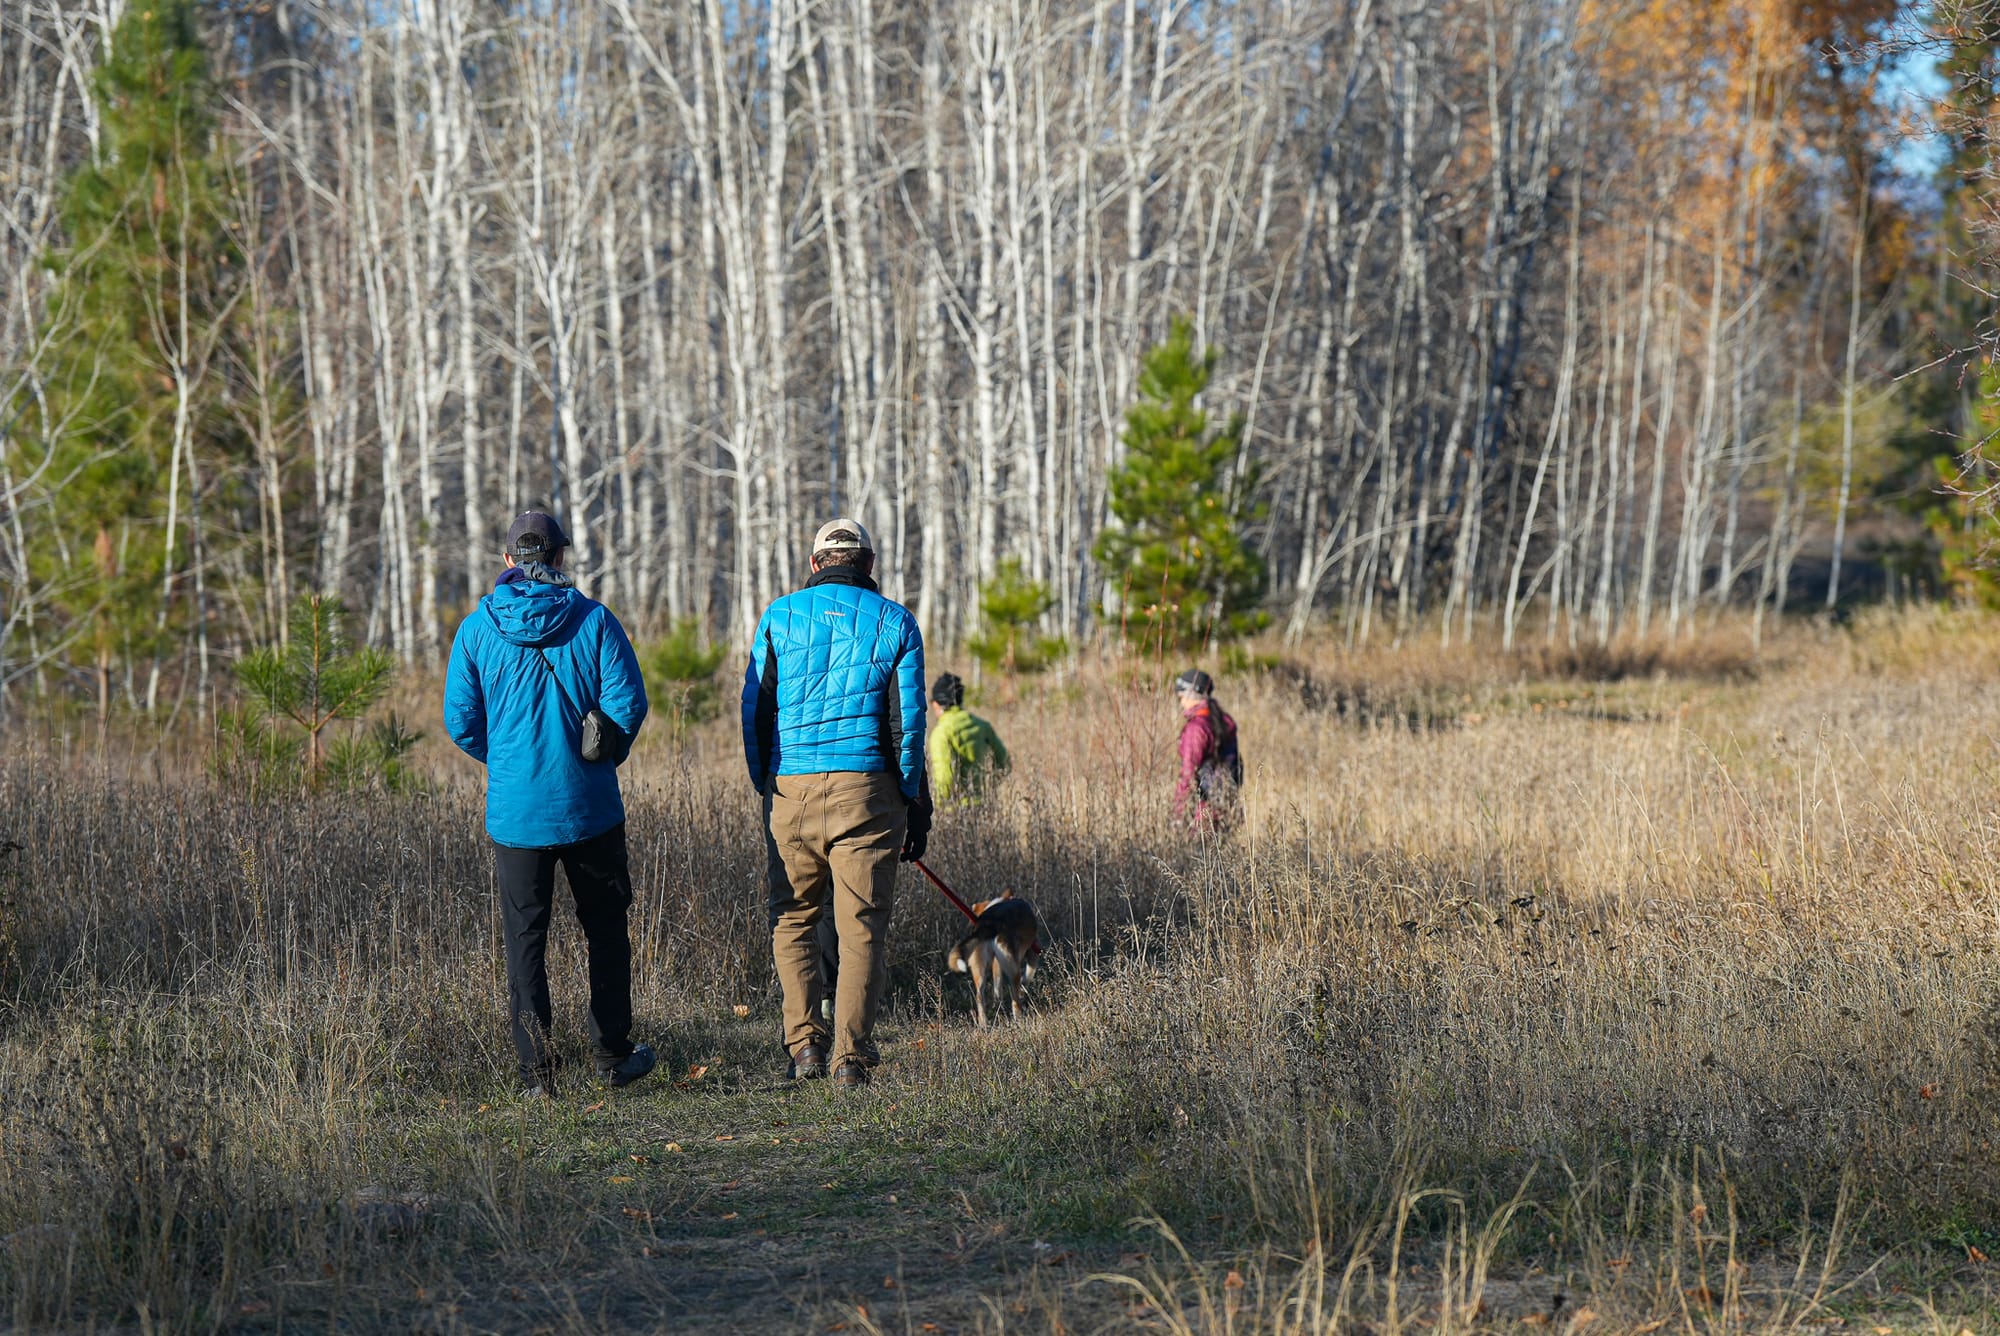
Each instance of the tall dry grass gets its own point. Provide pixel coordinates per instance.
(1668, 972)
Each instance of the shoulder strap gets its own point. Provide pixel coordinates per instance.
(555, 677)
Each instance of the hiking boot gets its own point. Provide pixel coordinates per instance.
(633, 1066)
(850, 1074)
(809, 1063)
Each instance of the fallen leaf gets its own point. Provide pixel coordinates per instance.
(1928, 1092)
(725, 1138)
(595, 1108)
(696, 1072)
(638, 1214)
(1973, 1254)
(621, 1178)
(741, 1011)
(888, 1282)
(1650, 1327)
(1701, 1294)
(1233, 1281)
(674, 1146)
(1535, 1320)
(932, 1326)
(729, 1215)
(486, 1108)
(1581, 1316)
(1699, 1213)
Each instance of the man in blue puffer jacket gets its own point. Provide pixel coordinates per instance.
(533, 660)
(833, 731)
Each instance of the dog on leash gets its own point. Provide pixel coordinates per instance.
(1000, 947)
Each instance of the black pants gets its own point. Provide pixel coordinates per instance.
(601, 881)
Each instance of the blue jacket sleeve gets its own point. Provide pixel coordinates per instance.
(464, 701)
(910, 698)
(621, 687)
(760, 703)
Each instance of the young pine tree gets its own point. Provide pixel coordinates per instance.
(1011, 607)
(318, 676)
(113, 427)
(1178, 559)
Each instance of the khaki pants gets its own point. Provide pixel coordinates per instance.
(837, 836)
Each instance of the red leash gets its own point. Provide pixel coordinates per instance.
(949, 894)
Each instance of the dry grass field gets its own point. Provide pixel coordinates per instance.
(1650, 991)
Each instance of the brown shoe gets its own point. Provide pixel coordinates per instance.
(809, 1063)
(850, 1074)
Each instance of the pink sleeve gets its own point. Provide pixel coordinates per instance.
(1194, 750)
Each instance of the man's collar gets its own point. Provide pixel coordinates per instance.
(533, 572)
(840, 575)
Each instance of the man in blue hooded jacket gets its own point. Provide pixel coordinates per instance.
(833, 731)
(528, 667)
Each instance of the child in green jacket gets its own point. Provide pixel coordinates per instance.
(964, 749)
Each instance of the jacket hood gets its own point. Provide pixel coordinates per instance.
(529, 612)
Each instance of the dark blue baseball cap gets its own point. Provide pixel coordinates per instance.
(534, 533)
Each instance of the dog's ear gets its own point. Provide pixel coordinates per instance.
(1007, 894)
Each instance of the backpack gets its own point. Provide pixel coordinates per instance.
(1224, 756)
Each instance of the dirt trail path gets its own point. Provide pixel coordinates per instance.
(720, 1197)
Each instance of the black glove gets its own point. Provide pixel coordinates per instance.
(917, 836)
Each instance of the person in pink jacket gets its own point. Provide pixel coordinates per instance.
(1211, 765)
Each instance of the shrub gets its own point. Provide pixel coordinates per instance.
(680, 675)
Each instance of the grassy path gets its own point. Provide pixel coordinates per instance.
(719, 1196)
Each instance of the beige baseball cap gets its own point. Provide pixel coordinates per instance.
(824, 540)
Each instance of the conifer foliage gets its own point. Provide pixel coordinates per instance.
(318, 675)
(1177, 561)
(1011, 609)
(125, 416)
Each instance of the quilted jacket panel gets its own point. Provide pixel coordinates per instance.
(835, 682)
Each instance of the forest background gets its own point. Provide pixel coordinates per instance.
(1639, 979)
(1560, 317)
